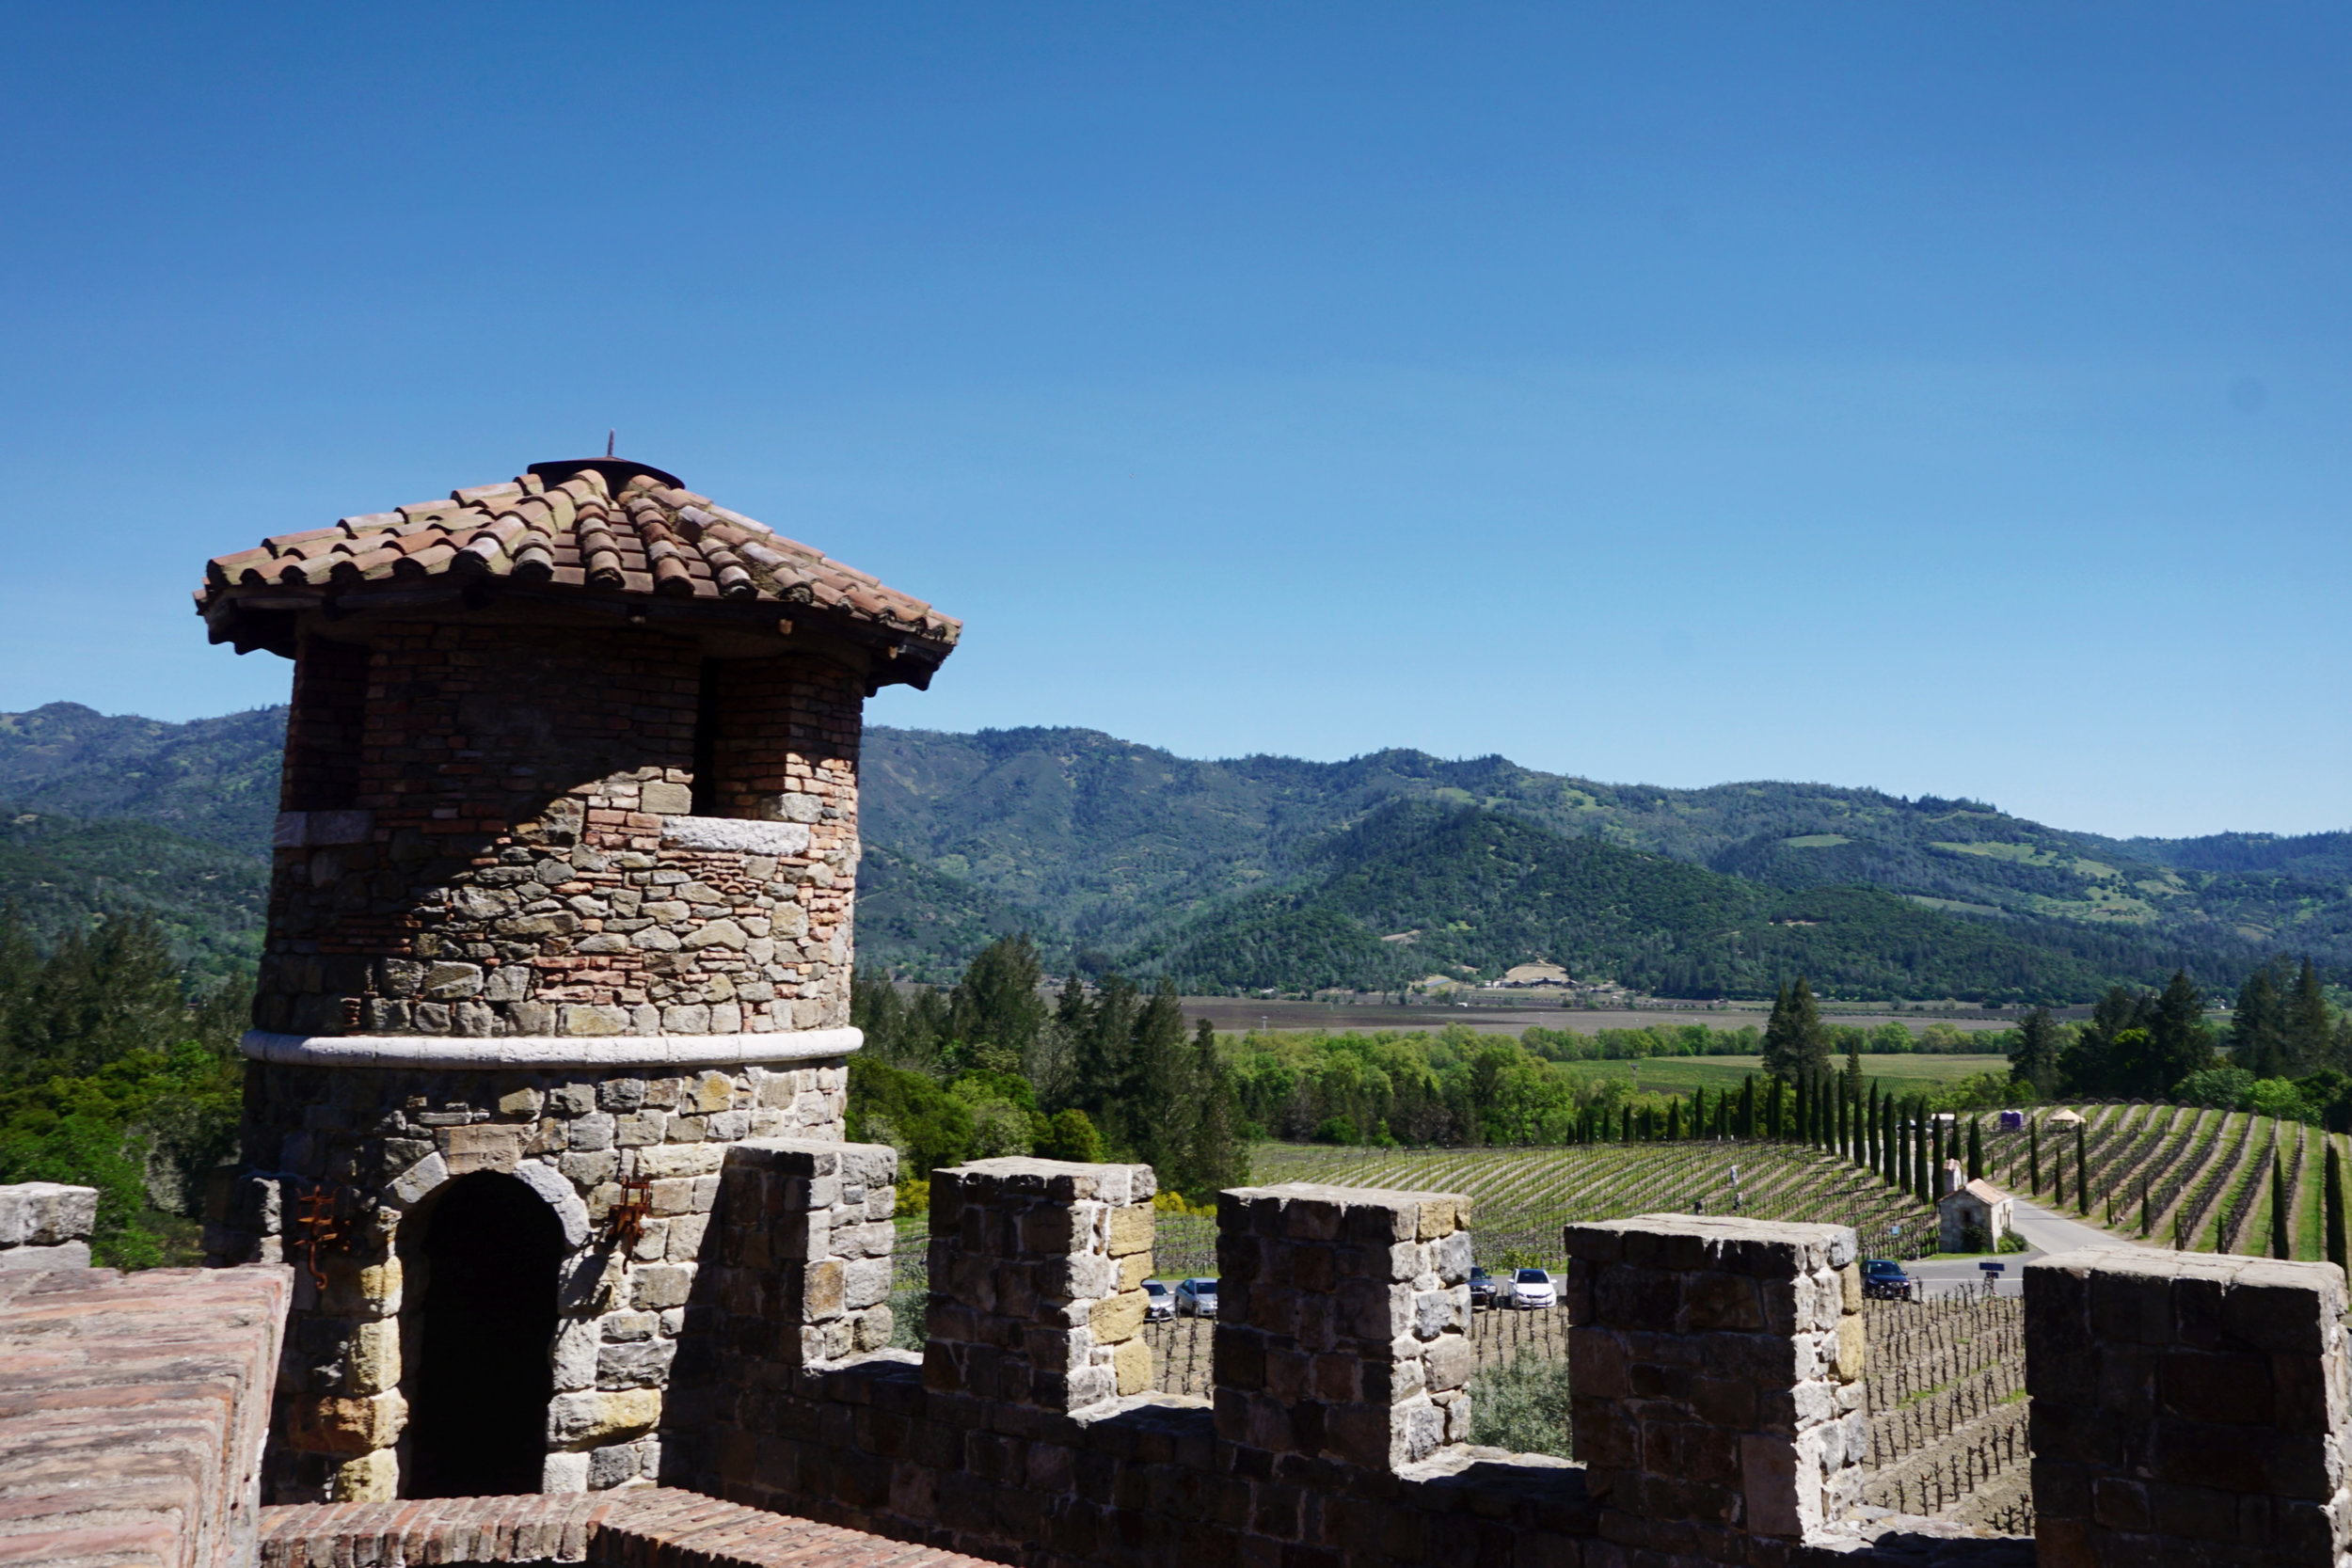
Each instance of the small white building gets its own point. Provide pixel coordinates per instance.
(1971, 1205)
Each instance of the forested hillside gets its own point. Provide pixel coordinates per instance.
(59, 872)
(215, 780)
(1271, 871)
(1466, 891)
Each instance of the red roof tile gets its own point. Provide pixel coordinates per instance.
(566, 526)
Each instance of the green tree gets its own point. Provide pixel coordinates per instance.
(1922, 1171)
(1069, 1135)
(1796, 1048)
(2093, 1064)
(2282, 1229)
(2258, 1041)
(2309, 1025)
(1747, 1106)
(997, 1004)
(2033, 1156)
(2181, 1043)
(2034, 1062)
(2082, 1169)
(1219, 1159)
(2332, 1215)
(1976, 1149)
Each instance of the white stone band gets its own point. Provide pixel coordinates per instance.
(468, 1052)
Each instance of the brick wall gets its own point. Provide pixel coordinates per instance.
(512, 863)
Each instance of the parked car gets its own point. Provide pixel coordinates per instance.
(1485, 1287)
(1158, 1305)
(1883, 1280)
(1533, 1287)
(1196, 1298)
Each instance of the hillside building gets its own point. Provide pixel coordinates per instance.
(1968, 1206)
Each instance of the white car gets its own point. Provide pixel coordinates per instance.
(1533, 1287)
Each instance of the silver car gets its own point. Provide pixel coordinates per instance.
(1158, 1305)
(1196, 1298)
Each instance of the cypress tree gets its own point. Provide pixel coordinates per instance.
(2033, 1156)
(1976, 1149)
(1698, 1112)
(1890, 1142)
(1802, 1110)
(1919, 1184)
(1927, 1155)
(1845, 1127)
(2146, 1219)
(2281, 1244)
(1776, 1110)
(2331, 1204)
(1747, 1106)
(2082, 1169)
(1674, 1122)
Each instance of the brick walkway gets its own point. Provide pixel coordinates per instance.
(132, 1411)
(640, 1528)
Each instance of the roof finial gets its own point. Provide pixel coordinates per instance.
(608, 441)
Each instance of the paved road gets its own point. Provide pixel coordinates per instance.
(2045, 1232)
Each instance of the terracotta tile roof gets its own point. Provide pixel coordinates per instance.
(601, 527)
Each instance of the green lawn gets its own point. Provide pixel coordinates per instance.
(1682, 1074)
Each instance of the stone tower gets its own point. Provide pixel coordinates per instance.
(560, 907)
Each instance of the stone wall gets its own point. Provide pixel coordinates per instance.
(377, 1145)
(46, 1225)
(1341, 1329)
(1009, 1439)
(2188, 1409)
(1716, 1370)
(1037, 1270)
(521, 853)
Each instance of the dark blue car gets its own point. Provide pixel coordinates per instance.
(1883, 1280)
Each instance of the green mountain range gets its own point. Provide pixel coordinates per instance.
(1270, 872)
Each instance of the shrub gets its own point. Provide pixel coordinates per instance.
(909, 1319)
(1069, 1135)
(1522, 1407)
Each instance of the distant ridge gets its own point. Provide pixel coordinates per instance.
(1113, 853)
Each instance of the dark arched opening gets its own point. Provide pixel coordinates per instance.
(480, 1331)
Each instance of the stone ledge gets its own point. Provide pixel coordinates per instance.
(652, 1526)
(131, 1412)
(468, 1054)
(752, 837)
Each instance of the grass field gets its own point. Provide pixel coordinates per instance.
(1682, 1074)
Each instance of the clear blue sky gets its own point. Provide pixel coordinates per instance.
(1946, 398)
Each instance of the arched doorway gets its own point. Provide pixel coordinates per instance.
(477, 1337)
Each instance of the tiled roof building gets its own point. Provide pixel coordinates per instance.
(560, 910)
(600, 535)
